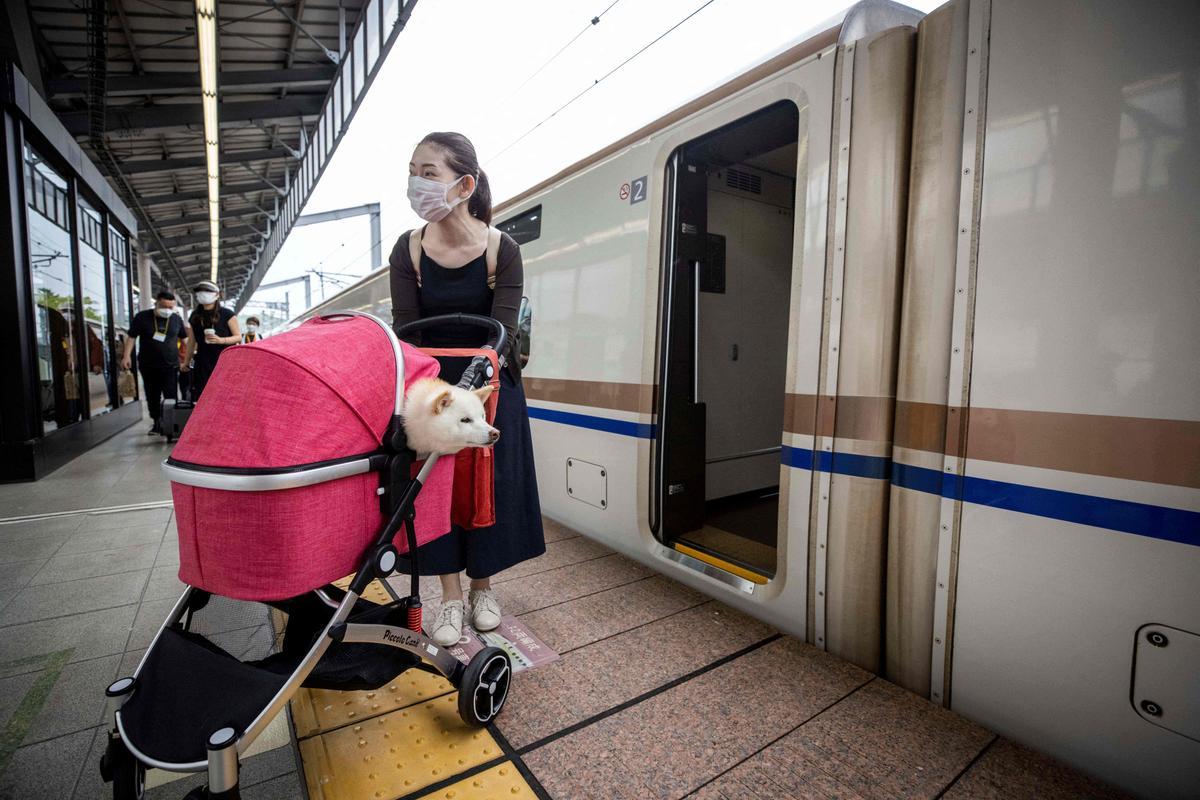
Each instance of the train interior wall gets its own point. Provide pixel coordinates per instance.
(742, 325)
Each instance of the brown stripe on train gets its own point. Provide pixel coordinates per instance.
(1132, 448)
(634, 397)
(1139, 449)
(923, 426)
(847, 417)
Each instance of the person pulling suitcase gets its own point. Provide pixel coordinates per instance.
(157, 332)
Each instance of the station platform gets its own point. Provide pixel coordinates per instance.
(657, 691)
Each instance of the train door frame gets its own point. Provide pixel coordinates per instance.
(679, 446)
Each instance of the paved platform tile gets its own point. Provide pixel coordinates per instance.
(394, 754)
(1008, 771)
(598, 677)
(561, 584)
(80, 597)
(881, 742)
(67, 567)
(561, 553)
(675, 741)
(88, 540)
(570, 625)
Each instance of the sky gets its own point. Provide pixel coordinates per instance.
(469, 66)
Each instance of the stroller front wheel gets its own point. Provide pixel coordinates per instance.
(484, 687)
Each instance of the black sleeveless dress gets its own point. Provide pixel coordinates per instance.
(205, 360)
(517, 535)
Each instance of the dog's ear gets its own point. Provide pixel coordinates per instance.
(484, 392)
(442, 401)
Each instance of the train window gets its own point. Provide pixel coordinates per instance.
(524, 227)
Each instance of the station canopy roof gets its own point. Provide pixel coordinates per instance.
(290, 76)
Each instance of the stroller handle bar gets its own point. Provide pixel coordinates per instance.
(497, 339)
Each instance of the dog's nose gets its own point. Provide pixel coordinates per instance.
(494, 435)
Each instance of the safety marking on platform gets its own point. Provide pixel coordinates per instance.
(525, 650)
(501, 781)
(320, 710)
(97, 511)
(22, 719)
(395, 754)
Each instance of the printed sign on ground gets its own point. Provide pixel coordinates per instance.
(523, 646)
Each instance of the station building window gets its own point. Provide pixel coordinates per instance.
(101, 377)
(56, 326)
(122, 304)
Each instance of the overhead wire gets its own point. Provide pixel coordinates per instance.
(397, 229)
(591, 24)
(600, 80)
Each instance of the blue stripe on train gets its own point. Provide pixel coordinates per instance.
(639, 430)
(1157, 522)
(1141, 519)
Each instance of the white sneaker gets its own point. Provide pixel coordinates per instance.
(447, 625)
(485, 611)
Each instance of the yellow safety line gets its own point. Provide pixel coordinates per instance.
(722, 564)
(395, 754)
(499, 782)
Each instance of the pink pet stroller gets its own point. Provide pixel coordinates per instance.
(294, 472)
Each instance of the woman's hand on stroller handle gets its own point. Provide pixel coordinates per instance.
(497, 339)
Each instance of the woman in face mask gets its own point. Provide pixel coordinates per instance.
(251, 334)
(453, 273)
(213, 329)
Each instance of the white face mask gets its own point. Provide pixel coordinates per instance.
(164, 312)
(251, 328)
(428, 197)
(205, 298)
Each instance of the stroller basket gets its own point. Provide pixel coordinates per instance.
(273, 508)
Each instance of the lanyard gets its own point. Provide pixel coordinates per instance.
(166, 327)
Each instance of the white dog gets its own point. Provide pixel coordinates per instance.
(440, 418)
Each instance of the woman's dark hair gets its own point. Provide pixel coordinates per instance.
(461, 158)
(163, 294)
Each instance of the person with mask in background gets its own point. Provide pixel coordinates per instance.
(453, 271)
(252, 334)
(157, 332)
(214, 328)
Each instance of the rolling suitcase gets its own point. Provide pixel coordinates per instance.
(175, 414)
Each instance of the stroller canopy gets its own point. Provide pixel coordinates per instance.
(324, 392)
(321, 392)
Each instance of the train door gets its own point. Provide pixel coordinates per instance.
(724, 341)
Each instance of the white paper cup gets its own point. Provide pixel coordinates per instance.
(210, 332)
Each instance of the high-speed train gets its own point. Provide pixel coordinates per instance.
(893, 341)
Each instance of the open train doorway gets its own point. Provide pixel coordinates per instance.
(724, 342)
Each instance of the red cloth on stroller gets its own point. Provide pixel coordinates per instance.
(474, 502)
(321, 392)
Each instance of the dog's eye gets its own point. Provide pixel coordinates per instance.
(465, 420)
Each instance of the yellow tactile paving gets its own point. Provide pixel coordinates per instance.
(502, 782)
(394, 754)
(374, 592)
(319, 710)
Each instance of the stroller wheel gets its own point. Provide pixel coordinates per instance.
(484, 687)
(128, 774)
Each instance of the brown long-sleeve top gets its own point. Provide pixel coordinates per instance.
(506, 300)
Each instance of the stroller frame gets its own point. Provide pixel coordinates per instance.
(482, 683)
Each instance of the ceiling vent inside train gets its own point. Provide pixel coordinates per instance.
(743, 181)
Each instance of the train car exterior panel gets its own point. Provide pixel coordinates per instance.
(1084, 423)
